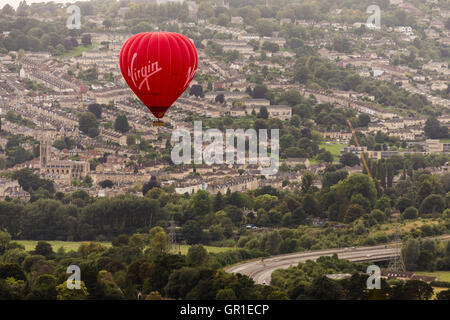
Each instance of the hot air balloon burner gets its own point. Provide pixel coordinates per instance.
(158, 123)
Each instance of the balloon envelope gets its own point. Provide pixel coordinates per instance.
(158, 67)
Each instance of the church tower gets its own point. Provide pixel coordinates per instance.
(45, 149)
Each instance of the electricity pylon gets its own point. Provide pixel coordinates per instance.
(173, 235)
(396, 263)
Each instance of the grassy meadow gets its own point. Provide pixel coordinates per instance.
(73, 245)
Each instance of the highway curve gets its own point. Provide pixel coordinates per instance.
(261, 271)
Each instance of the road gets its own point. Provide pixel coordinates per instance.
(261, 272)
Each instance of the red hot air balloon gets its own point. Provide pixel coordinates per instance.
(158, 67)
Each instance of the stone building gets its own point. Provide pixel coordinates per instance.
(61, 171)
(12, 189)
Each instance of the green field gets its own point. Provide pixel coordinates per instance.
(73, 245)
(67, 245)
(77, 51)
(335, 150)
(184, 249)
(443, 275)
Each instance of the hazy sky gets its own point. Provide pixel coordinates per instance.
(15, 3)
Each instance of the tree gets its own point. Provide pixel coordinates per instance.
(192, 232)
(272, 242)
(295, 43)
(325, 156)
(107, 287)
(131, 140)
(68, 44)
(417, 290)
(307, 181)
(8, 10)
(59, 49)
(363, 120)
(220, 98)
(265, 201)
(234, 213)
(259, 92)
(323, 288)
(196, 90)
(264, 27)
(411, 253)
(88, 124)
(12, 270)
(107, 23)
(219, 203)
(45, 249)
(86, 248)
(226, 294)
(87, 181)
(354, 212)
(89, 74)
(201, 203)
(223, 20)
(64, 293)
(23, 9)
(291, 97)
(86, 39)
(389, 174)
(66, 143)
(277, 295)
(159, 242)
(301, 74)
(31, 261)
(263, 113)
(106, 184)
(142, 26)
(425, 189)
(181, 282)
(121, 124)
(197, 256)
(74, 42)
(404, 203)
(331, 178)
(44, 288)
(444, 295)
(360, 183)
(434, 130)
(378, 215)
(5, 238)
(96, 109)
(12, 289)
(153, 183)
(349, 159)
(433, 203)
(298, 216)
(121, 240)
(341, 44)
(31, 182)
(270, 46)
(410, 213)
(154, 295)
(383, 203)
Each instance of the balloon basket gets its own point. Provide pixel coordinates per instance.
(158, 123)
